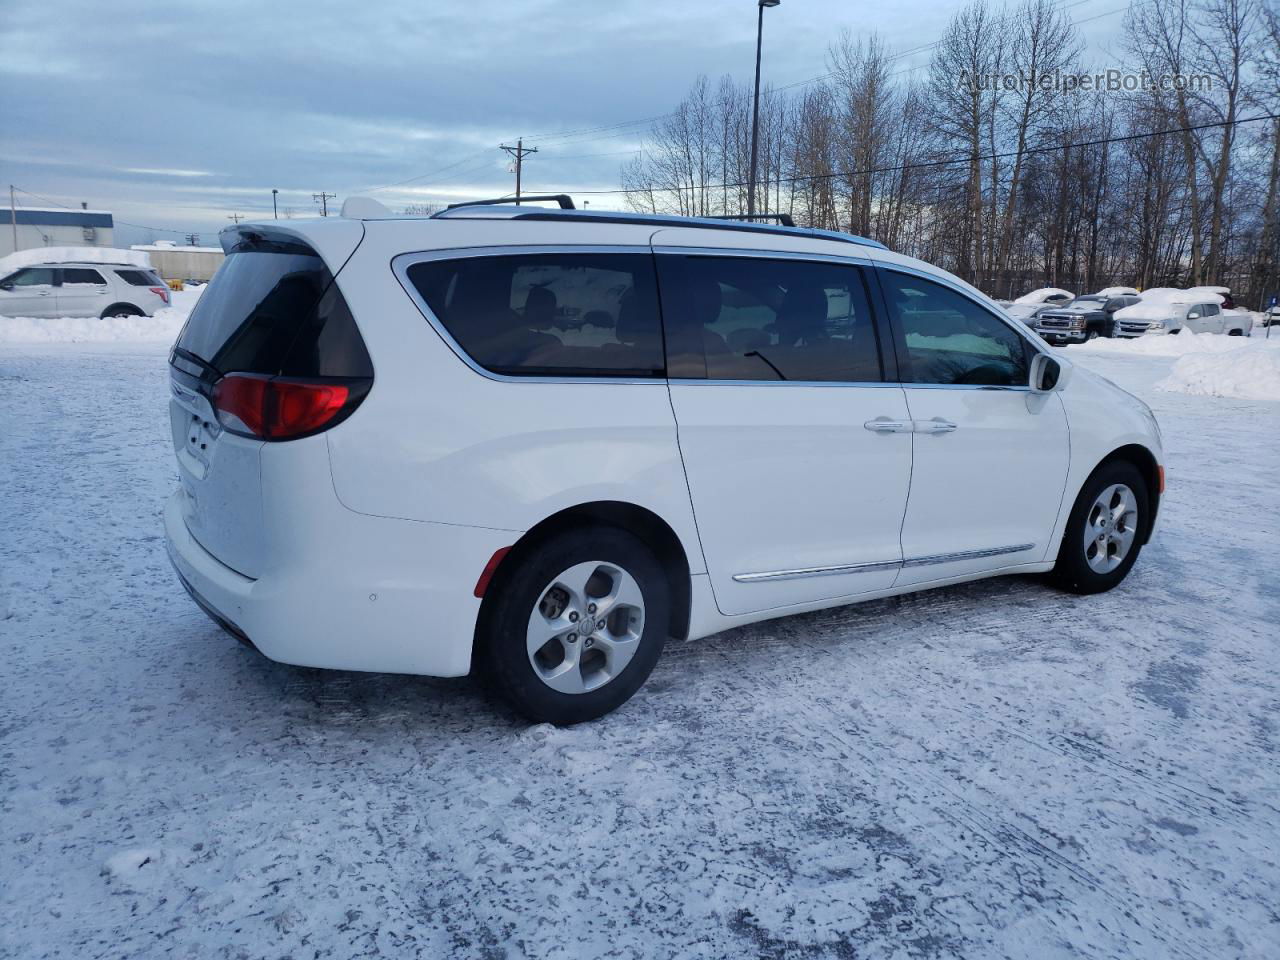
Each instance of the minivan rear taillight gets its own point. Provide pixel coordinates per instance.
(284, 408)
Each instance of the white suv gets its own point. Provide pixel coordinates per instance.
(539, 442)
(85, 289)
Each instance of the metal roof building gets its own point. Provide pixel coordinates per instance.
(54, 227)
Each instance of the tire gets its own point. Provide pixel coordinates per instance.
(1235, 333)
(1079, 569)
(1091, 335)
(582, 671)
(121, 310)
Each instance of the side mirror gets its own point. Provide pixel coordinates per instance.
(6, 285)
(1046, 374)
(1193, 315)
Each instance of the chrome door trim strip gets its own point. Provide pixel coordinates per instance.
(838, 569)
(966, 555)
(806, 572)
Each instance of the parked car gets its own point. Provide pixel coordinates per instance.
(1085, 318)
(1027, 306)
(1271, 316)
(81, 289)
(1167, 311)
(393, 456)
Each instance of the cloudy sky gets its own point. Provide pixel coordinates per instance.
(178, 113)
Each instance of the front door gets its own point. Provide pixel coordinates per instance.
(28, 293)
(989, 456)
(795, 445)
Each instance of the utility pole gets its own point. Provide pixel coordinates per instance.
(519, 151)
(755, 108)
(193, 239)
(275, 214)
(13, 218)
(237, 217)
(323, 199)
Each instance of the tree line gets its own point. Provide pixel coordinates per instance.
(998, 163)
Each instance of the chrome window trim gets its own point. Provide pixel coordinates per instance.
(839, 384)
(838, 569)
(737, 252)
(401, 263)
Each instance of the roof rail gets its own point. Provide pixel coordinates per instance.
(782, 219)
(565, 201)
(488, 211)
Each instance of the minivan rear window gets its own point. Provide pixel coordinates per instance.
(273, 308)
(554, 314)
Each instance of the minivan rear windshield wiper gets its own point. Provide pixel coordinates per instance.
(200, 362)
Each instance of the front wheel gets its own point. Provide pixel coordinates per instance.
(1104, 532)
(574, 630)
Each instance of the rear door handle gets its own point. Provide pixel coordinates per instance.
(885, 425)
(936, 425)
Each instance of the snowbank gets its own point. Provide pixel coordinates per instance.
(1208, 364)
(1251, 373)
(1163, 345)
(162, 328)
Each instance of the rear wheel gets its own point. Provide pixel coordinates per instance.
(1104, 532)
(121, 310)
(575, 629)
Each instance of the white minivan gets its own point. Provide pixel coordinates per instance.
(539, 442)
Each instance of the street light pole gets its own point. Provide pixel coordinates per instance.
(755, 109)
(275, 215)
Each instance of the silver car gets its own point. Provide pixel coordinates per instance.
(82, 289)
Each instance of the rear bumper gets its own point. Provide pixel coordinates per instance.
(381, 595)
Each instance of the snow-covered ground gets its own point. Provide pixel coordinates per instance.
(989, 770)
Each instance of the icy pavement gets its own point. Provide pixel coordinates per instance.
(985, 771)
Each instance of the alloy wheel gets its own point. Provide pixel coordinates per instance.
(585, 627)
(1110, 528)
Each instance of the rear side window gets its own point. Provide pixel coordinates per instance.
(81, 275)
(139, 278)
(951, 339)
(747, 318)
(273, 308)
(555, 314)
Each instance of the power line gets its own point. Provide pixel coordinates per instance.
(927, 164)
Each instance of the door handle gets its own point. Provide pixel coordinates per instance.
(936, 425)
(885, 425)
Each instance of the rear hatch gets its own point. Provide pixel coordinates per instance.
(270, 354)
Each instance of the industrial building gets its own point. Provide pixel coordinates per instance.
(26, 228)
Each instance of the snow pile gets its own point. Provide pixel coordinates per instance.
(41, 255)
(161, 328)
(1251, 372)
(1207, 364)
(1163, 345)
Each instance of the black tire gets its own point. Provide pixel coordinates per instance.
(1072, 572)
(501, 634)
(1091, 335)
(121, 310)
